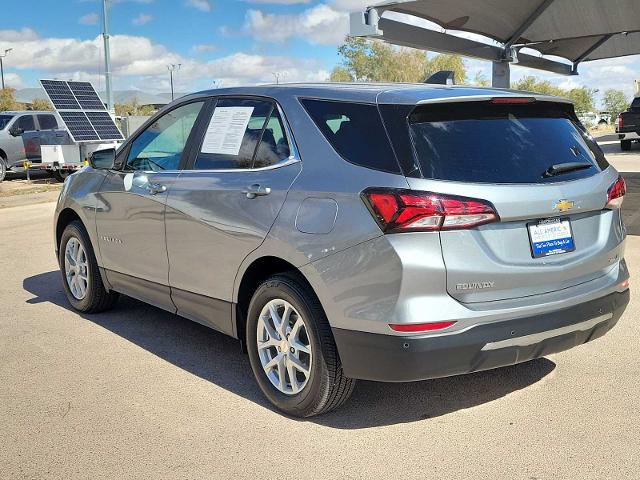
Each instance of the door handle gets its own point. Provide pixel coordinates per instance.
(256, 190)
(156, 188)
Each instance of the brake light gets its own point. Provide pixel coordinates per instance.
(420, 327)
(620, 122)
(415, 211)
(615, 195)
(512, 100)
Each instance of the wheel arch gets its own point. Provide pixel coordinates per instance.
(253, 275)
(65, 217)
(3, 155)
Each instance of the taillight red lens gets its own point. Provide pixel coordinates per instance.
(616, 193)
(620, 122)
(420, 327)
(413, 211)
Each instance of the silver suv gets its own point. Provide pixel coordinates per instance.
(382, 232)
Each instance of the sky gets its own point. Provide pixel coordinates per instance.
(217, 42)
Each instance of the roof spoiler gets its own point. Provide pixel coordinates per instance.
(443, 77)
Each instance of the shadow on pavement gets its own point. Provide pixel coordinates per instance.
(217, 358)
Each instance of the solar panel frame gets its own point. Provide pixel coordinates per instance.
(104, 126)
(82, 111)
(60, 95)
(86, 96)
(79, 126)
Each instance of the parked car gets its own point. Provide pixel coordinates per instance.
(594, 119)
(628, 127)
(345, 232)
(14, 149)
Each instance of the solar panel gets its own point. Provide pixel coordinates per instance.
(104, 126)
(86, 96)
(60, 94)
(82, 111)
(79, 126)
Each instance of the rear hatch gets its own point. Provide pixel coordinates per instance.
(547, 180)
(629, 121)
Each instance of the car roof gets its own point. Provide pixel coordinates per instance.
(395, 93)
(31, 112)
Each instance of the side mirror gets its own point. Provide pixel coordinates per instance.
(16, 131)
(103, 159)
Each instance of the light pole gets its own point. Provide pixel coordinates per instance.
(107, 56)
(173, 68)
(2, 55)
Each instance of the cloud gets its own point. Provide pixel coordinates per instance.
(138, 62)
(13, 80)
(142, 19)
(320, 24)
(202, 5)
(204, 48)
(89, 19)
(279, 2)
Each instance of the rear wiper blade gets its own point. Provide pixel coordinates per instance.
(562, 168)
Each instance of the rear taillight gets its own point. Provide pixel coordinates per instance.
(620, 122)
(616, 193)
(415, 211)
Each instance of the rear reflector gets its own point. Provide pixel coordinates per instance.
(616, 193)
(420, 327)
(415, 211)
(624, 285)
(512, 100)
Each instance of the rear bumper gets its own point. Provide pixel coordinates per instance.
(389, 358)
(629, 136)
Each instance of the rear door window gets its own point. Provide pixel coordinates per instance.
(355, 131)
(26, 123)
(482, 142)
(47, 122)
(233, 134)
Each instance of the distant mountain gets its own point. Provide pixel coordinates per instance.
(28, 95)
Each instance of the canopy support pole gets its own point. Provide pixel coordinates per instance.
(501, 75)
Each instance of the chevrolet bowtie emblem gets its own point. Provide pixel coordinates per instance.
(564, 205)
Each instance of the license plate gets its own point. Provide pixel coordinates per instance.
(551, 236)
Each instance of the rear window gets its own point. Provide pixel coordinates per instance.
(636, 104)
(481, 142)
(355, 131)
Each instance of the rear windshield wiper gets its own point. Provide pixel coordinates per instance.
(563, 168)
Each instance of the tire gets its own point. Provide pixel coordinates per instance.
(625, 145)
(325, 387)
(3, 169)
(96, 298)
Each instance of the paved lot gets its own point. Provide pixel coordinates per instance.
(140, 393)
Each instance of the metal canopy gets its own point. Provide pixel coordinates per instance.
(577, 30)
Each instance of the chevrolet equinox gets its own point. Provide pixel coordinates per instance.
(383, 232)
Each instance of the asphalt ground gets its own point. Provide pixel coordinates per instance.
(140, 393)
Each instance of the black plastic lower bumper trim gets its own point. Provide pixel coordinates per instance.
(390, 358)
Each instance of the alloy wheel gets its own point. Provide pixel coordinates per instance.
(76, 268)
(284, 347)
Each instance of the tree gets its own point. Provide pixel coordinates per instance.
(582, 97)
(40, 104)
(615, 102)
(8, 100)
(133, 109)
(375, 61)
(480, 80)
